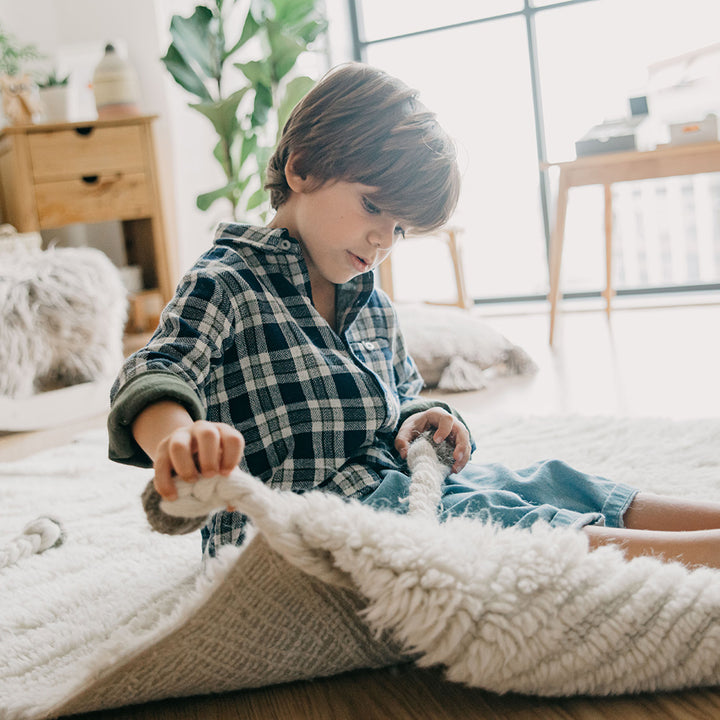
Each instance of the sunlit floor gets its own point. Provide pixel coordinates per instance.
(643, 361)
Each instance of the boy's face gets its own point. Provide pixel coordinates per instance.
(342, 232)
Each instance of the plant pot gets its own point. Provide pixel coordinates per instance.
(56, 103)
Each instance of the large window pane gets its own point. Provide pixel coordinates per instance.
(477, 79)
(381, 18)
(593, 57)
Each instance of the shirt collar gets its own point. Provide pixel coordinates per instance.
(276, 240)
(350, 297)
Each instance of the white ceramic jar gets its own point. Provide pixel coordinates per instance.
(115, 86)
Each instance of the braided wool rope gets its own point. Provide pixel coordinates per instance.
(429, 463)
(37, 536)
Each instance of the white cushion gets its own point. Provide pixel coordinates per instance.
(454, 350)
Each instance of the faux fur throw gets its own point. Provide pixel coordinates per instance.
(62, 314)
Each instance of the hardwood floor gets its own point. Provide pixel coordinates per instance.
(644, 362)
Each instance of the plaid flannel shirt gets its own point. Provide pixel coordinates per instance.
(241, 343)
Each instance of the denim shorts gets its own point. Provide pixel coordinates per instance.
(550, 491)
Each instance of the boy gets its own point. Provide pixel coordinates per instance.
(278, 353)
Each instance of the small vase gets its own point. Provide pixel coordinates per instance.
(115, 86)
(56, 103)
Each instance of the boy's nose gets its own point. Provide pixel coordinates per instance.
(383, 236)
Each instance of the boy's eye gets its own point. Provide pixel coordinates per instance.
(371, 207)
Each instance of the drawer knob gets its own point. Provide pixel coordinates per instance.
(90, 179)
(84, 130)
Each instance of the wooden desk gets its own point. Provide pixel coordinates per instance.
(610, 168)
(56, 174)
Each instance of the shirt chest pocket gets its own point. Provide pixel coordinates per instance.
(376, 355)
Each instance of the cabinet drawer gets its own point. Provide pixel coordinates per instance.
(86, 150)
(93, 199)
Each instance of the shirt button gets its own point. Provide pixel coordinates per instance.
(369, 345)
(285, 244)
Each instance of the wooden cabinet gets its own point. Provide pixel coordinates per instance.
(57, 174)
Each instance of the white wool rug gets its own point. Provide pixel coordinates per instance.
(87, 625)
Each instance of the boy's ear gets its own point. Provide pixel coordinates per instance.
(295, 180)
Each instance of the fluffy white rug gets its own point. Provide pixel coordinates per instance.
(83, 626)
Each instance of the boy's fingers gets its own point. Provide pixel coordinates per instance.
(232, 446)
(207, 438)
(179, 450)
(163, 480)
(401, 446)
(444, 428)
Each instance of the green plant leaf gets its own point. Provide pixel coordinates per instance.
(291, 12)
(222, 114)
(248, 147)
(232, 191)
(195, 38)
(184, 75)
(262, 10)
(295, 90)
(263, 105)
(258, 72)
(284, 51)
(256, 199)
(250, 29)
(224, 157)
(262, 155)
(310, 30)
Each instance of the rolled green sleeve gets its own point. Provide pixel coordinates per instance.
(132, 399)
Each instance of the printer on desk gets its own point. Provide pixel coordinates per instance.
(621, 135)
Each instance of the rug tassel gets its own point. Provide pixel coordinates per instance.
(37, 536)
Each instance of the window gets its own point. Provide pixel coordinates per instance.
(474, 64)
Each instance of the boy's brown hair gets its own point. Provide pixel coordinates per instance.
(359, 124)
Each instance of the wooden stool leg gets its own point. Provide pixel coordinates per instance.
(386, 276)
(609, 292)
(556, 247)
(463, 299)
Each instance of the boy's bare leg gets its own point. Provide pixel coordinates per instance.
(666, 527)
(692, 547)
(661, 512)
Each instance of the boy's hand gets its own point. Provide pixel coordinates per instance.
(203, 449)
(447, 428)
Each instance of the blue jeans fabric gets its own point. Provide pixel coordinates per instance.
(551, 491)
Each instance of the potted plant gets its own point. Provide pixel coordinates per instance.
(247, 119)
(18, 92)
(54, 97)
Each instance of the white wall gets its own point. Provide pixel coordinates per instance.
(74, 32)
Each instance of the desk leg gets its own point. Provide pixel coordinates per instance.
(463, 299)
(556, 247)
(386, 276)
(609, 292)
